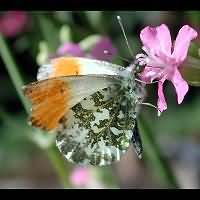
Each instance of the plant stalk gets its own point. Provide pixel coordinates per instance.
(154, 154)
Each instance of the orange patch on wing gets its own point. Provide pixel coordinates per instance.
(50, 102)
(66, 66)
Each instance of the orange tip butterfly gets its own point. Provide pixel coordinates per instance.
(91, 105)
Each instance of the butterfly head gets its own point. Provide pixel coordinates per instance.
(136, 67)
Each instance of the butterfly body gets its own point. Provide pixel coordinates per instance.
(92, 107)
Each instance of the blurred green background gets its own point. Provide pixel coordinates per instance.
(26, 158)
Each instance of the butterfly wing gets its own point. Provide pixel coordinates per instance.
(52, 98)
(66, 66)
(99, 128)
(90, 112)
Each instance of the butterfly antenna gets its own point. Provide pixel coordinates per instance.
(123, 31)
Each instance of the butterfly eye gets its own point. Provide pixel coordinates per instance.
(140, 62)
(139, 68)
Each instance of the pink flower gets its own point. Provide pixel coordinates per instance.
(104, 44)
(164, 59)
(71, 49)
(97, 51)
(80, 176)
(13, 22)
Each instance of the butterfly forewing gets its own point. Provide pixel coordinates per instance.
(68, 66)
(52, 98)
(99, 128)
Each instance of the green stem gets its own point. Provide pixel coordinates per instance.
(154, 155)
(11, 67)
(12, 71)
(59, 165)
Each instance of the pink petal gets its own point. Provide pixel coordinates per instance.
(162, 105)
(182, 43)
(70, 49)
(180, 85)
(157, 39)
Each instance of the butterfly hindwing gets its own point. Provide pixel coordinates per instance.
(99, 128)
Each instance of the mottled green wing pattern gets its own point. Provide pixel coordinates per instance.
(99, 129)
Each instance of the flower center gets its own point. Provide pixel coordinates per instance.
(156, 66)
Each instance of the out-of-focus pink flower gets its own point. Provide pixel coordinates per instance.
(80, 176)
(71, 49)
(163, 60)
(104, 44)
(13, 23)
(97, 51)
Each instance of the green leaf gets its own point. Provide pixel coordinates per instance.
(191, 71)
(194, 17)
(95, 19)
(43, 53)
(49, 31)
(192, 76)
(64, 17)
(65, 34)
(87, 43)
(194, 50)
